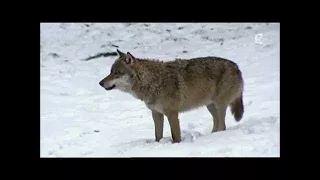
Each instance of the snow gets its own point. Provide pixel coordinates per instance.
(81, 119)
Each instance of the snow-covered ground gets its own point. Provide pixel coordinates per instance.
(81, 119)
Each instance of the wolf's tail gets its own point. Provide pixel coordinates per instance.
(237, 108)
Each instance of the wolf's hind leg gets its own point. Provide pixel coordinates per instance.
(215, 115)
(222, 108)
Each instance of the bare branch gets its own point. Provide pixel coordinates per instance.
(106, 54)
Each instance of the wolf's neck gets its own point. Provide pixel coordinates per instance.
(148, 70)
(144, 85)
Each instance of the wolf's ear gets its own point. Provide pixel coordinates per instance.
(130, 59)
(120, 53)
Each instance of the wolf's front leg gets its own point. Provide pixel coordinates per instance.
(173, 119)
(158, 124)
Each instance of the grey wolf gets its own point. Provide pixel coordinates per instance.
(171, 87)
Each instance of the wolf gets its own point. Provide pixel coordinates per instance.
(169, 88)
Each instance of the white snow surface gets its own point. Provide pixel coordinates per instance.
(81, 119)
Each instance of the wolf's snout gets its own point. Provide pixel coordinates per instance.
(101, 83)
(106, 86)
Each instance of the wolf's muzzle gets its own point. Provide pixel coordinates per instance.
(101, 83)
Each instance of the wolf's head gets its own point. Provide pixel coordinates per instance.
(121, 73)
